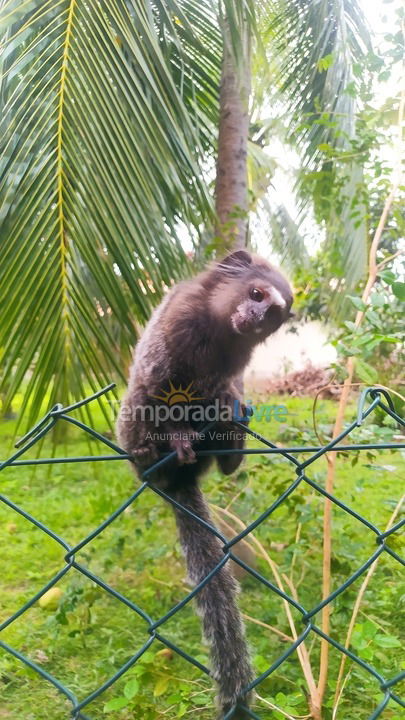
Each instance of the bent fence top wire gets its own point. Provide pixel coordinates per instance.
(370, 399)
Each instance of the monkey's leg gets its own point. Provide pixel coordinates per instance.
(235, 437)
(216, 601)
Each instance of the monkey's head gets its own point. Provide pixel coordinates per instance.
(251, 295)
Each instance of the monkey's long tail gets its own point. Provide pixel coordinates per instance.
(216, 602)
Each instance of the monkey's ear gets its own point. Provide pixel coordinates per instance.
(239, 258)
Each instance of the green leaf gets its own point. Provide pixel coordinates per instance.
(387, 641)
(366, 372)
(374, 318)
(261, 663)
(115, 704)
(348, 351)
(398, 288)
(350, 326)
(325, 62)
(388, 338)
(364, 339)
(377, 300)
(388, 276)
(161, 686)
(296, 699)
(358, 303)
(131, 688)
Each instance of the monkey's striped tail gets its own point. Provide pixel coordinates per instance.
(216, 602)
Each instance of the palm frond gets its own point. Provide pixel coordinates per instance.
(106, 112)
(319, 52)
(317, 45)
(283, 235)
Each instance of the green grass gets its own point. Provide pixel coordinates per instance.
(91, 634)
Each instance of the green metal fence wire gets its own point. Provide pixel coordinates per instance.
(370, 400)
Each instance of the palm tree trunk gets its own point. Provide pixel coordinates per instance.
(231, 198)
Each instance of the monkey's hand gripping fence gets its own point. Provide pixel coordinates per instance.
(378, 398)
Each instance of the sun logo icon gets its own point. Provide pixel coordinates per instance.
(176, 395)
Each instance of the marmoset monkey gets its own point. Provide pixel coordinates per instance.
(197, 344)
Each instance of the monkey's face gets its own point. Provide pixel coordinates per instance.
(254, 296)
(264, 309)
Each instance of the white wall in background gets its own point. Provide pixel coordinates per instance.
(286, 351)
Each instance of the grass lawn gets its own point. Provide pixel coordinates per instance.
(91, 634)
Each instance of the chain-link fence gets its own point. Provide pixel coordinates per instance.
(371, 399)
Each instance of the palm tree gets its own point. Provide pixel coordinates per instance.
(109, 117)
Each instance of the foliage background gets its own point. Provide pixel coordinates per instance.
(90, 635)
(109, 114)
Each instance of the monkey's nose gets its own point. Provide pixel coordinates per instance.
(277, 299)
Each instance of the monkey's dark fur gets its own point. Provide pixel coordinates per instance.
(204, 333)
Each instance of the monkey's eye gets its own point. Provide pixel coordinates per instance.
(256, 294)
